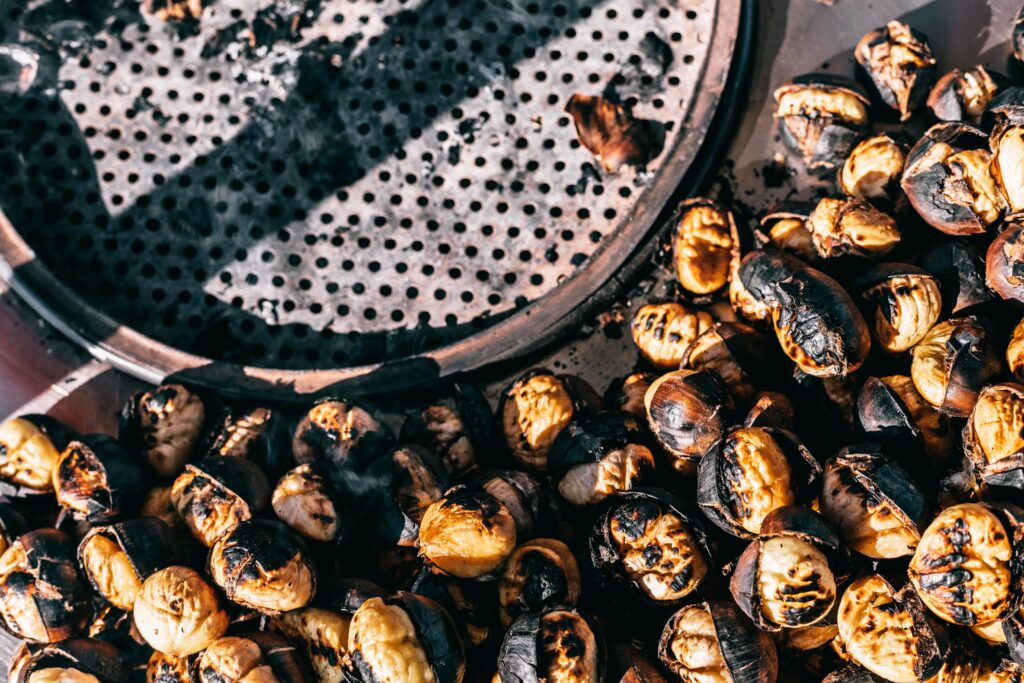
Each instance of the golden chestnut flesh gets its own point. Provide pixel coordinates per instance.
(663, 332)
(794, 581)
(704, 245)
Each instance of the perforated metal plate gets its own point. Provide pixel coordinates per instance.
(338, 183)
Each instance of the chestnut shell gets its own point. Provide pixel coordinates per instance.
(88, 655)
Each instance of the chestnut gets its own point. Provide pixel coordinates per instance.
(612, 134)
(416, 478)
(749, 473)
(305, 501)
(900, 63)
(820, 117)
(323, 633)
(993, 670)
(842, 225)
(42, 596)
(598, 455)
(704, 244)
(256, 434)
(459, 425)
(960, 270)
(652, 547)
(637, 666)
(118, 558)
(97, 479)
(714, 641)
(165, 425)
(467, 533)
(786, 227)
(874, 167)
(261, 565)
(890, 409)
(538, 574)
(469, 603)
(963, 568)
(30, 446)
(964, 94)
(745, 303)
(687, 412)
(948, 181)
(535, 407)
(178, 613)
(407, 638)
(163, 668)
(951, 364)
(259, 656)
(1004, 262)
(663, 332)
(737, 353)
(627, 394)
(993, 436)
(787, 578)
(902, 301)
(531, 503)
(554, 644)
(877, 507)
(214, 494)
(1007, 144)
(78, 660)
(1015, 352)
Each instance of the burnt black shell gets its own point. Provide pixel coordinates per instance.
(519, 658)
(12, 523)
(88, 655)
(533, 496)
(124, 481)
(589, 438)
(921, 79)
(394, 517)
(346, 594)
(147, 542)
(771, 409)
(242, 477)
(960, 270)
(470, 604)
(1013, 629)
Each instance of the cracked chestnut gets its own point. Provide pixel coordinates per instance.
(305, 501)
(214, 494)
(29, 448)
(1004, 262)
(97, 479)
(901, 301)
(459, 425)
(468, 533)
(994, 435)
(820, 117)
(785, 228)
(417, 478)
(688, 412)
(165, 424)
(78, 660)
(964, 94)
(704, 244)
(178, 613)
(663, 332)
(116, 559)
(891, 410)
(900, 63)
(554, 644)
(259, 656)
(951, 364)
(874, 168)
(739, 355)
(842, 226)
(540, 573)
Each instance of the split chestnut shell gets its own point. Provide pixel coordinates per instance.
(539, 573)
(842, 225)
(214, 494)
(468, 533)
(964, 94)
(900, 62)
(459, 425)
(891, 410)
(78, 660)
(118, 558)
(258, 656)
(555, 644)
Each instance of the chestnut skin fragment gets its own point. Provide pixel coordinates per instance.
(842, 225)
(965, 94)
(612, 134)
(687, 412)
(540, 573)
(704, 244)
(900, 62)
(178, 612)
(820, 117)
(993, 435)
(30, 446)
(663, 332)
(165, 424)
(874, 167)
(468, 533)
(77, 660)
(97, 479)
(903, 302)
(952, 363)
(1004, 263)
(556, 644)
(116, 559)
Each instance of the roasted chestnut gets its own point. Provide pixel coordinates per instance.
(749, 473)
(256, 434)
(612, 133)
(787, 578)
(555, 644)
(214, 494)
(663, 332)
(687, 412)
(469, 603)
(42, 596)
(815, 320)
(178, 612)
(994, 435)
(459, 426)
(627, 394)
(468, 533)
(999, 671)
(29, 448)
(841, 225)
(874, 168)
(786, 230)
(78, 660)
(820, 117)
(948, 180)
(598, 455)
(259, 656)
(771, 409)
(963, 567)
(305, 501)
(877, 507)
(163, 668)
(964, 94)
(738, 354)
(261, 565)
(713, 641)
(118, 558)
(891, 410)
(652, 546)
(1007, 144)
(635, 663)
(540, 573)
(951, 364)
(704, 244)
(1015, 352)
(165, 424)
(406, 638)
(324, 636)
(97, 479)
(1004, 261)
(530, 502)
(902, 301)
(900, 62)
(535, 407)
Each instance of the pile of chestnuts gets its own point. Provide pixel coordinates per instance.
(814, 471)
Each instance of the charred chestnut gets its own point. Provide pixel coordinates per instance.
(752, 471)
(599, 455)
(948, 180)
(178, 612)
(1007, 144)
(652, 546)
(876, 506)
(1004, 262)
(787, 578)
(79, 660)
(165, 424)
(469, 603)
(994, 435)
(557, 644)
(874, 167)
(612, 133)
(963, 566)
(535, 408)
(820, 117)
(903, 302)
(999, 671)
(256, 434)
(406, 638)
(305, 502)
(174, 11)
(468, 533)
(713, 641)
(786, 230)
(890, 409)
(540, 573)
(458, 425)
(687, 412)
(1015, 352)
(261, 656)
(737, 353)
(964, 94)
(214, 494)
(97, 478)
(704, 244)
(663, 332)
(118, 558)
(531, 503)
(324, 636)
(30, 446)
(42, 596)
(163, 668)
(846, 225)
(627, 394)
(417, 478)
(900, 62)
(261, 565)
(952, 363)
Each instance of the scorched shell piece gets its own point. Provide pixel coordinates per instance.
(214, 494)
(118, 558)
(613, 134)
(964, 94)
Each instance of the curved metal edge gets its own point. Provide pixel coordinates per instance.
(556, 312)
